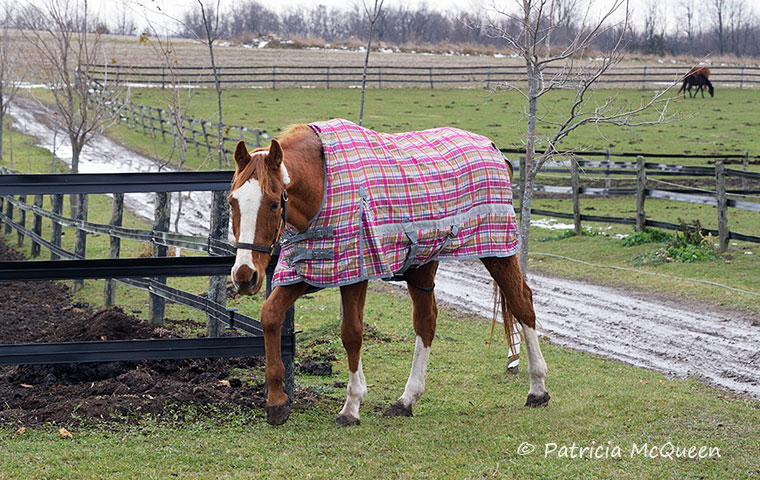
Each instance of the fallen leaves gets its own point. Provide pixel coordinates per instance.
(21, 431)
(63, 433)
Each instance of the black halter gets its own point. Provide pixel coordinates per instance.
(283, 221)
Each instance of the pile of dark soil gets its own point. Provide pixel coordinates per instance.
(36, 312)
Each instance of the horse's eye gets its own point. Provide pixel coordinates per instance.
(274, 206)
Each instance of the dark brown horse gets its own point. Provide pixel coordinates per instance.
(290, 173)
(697, 77)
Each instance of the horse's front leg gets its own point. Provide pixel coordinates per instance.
(351, 332)
(272, 316)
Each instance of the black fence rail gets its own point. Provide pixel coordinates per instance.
(385, 76)
(145, 273)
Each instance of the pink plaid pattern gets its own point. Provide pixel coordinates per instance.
(398, 200)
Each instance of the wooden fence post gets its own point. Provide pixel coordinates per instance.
(430, 74)
(160, 225)
(192, 136)
(488, 80)
(274, 77)
(21, 220)
(379, 77)
(607, 181)
(2, 204)
(741, 78)
(576, 182)
(644, 79)
(722, 201)
(80, 240)
(37, 226)
(745, 166)
(9, 214)
(205, 138)
(217, 286)
(641, 194)
(327, 78)
(142, 118)
(161, 124)
(55, 229)
(117, 214)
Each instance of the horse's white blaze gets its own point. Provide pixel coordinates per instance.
(536, 363)
(357, 389)
(415, 386)
(248, 197)
(285, 176)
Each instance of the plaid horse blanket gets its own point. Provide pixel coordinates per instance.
(395, 201)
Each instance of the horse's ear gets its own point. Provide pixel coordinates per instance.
(242, 157)
(274, 158)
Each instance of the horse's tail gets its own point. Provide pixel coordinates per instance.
(501, 308)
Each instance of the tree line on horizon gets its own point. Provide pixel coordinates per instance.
(707, 27)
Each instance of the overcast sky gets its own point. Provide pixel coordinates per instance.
(176, 8)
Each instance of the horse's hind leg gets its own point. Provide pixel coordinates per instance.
(424, 314)
(507, 274)
(351, 332)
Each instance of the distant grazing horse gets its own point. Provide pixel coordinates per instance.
(697, 77)
(351, 205)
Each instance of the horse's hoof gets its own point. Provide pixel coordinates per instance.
(535, 401)
(278, 414)
(513, 370)
(398, 409)
(346, 420)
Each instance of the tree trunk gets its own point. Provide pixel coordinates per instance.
(364, 73)
(2, 117)
(526, 197)
(218, 102)
(76, 149)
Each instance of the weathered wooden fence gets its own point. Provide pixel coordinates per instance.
(384, 76)
(145, 273)
(643, 175)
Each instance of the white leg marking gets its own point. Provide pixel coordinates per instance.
(514, 354)
(357, 389)
(536, 363)
(248, 197)
(415, 386)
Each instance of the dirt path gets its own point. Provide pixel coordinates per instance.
(677, 338)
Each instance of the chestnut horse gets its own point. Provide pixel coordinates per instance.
(284, 183)
(697, 77)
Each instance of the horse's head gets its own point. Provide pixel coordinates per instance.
(258, 205)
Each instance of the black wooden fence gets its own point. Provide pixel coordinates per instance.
(145, 273)
(384, 76)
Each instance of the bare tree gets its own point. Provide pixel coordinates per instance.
(210, 18)
(372, 17)
(10, 69)
(530, 40)
(69, 54)
(718, 12)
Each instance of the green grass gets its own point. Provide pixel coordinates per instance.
(721, 125)
(469, 424)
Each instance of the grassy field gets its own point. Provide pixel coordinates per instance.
(721, 125)
(471, 422)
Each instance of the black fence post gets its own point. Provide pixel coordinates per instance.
(80, 241)
(217, 285)
(37, 225)
(641, 194)
(21, 220)
(9, 214)
(117, 214)
(722, 204)
(576, 188)
(160, 226)
(55, 229)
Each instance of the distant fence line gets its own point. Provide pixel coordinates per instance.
(381, 76)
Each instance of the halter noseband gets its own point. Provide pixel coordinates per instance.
(283, 221)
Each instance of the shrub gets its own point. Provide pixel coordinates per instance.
(686, 246)
(647, 236)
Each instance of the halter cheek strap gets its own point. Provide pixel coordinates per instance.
(283, 221)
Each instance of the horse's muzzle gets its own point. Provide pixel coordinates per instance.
(246, 280)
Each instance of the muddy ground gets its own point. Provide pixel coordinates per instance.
(675, 336)
(69, 394)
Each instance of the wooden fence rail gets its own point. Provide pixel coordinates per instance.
(382, 76)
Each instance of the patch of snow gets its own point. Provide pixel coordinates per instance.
(551, 224)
